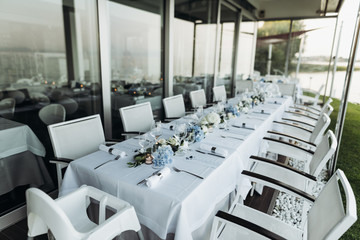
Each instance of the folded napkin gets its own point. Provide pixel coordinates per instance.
(215, 150)
(155, 179)
(249, 124)
(113, 151)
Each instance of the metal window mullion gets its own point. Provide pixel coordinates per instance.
(348, 77)
(169, 47)
(235, 55)
(105, 63)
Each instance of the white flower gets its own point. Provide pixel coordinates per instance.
(245, 110)
(203, 121)
(173, 141)
(162, 141)
(230, 115)
(204, 128)
(213, 118)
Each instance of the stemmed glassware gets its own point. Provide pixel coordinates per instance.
(180, 134)
(144, 142)
(156, 130)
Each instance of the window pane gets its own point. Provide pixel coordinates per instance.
(48, 55)
(194, 47)
(135, 35)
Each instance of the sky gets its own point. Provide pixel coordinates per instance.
(315, 44)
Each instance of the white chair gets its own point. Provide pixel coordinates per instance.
(70, 105)
(7, 108)
(301, 132)
(314, 162)
(66, 217)
(19, 96)
(287, 89)
(243, 85)
(52, 113)
(311, 111)
(174, 107)
(309, 100)
(219, 93)
(73, 139)
(136, 119)
(328, 218)
(198, 98)
(302, 115)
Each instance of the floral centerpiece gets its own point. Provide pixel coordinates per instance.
(258, 98)
(244, 105)
(195, 134)
(232, 112)
(162, 156)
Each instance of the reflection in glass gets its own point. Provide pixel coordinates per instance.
(48, 55)
(135, 35)
(194, 47)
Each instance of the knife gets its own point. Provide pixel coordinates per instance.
(213, 154)
(144, 180)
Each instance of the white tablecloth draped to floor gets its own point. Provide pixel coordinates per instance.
(180, 203)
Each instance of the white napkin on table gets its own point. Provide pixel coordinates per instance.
(245, 124)
(216, 150)
(113, 151)
(155, 179)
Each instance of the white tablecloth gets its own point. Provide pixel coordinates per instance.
(180, 203)
(16, 138)
(21, 161)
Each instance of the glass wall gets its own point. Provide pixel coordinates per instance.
(48, 55)
(136, 48)
(224, 76)
(246, 50)
(195, 43)
(310, 62)
(271, 47)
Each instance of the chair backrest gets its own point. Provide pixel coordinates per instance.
(327, 108)
(174, 106)
(70, 105)
(7, 108)
(76, 138)
(324, 151)
(52, 113)
(137, 118)
(287, 89)
(197, 98)
(329, 218)
(242, 85)
(19, 96)
(43, 213)
(219, 93)
(320, 128)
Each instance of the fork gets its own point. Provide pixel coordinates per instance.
(116, 158)
(223, 136)
(179, 170)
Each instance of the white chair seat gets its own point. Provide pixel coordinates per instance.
(66, 217)
(329, 217)
(263, 220)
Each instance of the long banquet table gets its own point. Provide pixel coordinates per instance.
(180, 204)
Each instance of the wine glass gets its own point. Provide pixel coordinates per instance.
(143, 142)
(156, 130)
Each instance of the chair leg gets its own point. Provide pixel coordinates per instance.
(140, 234)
